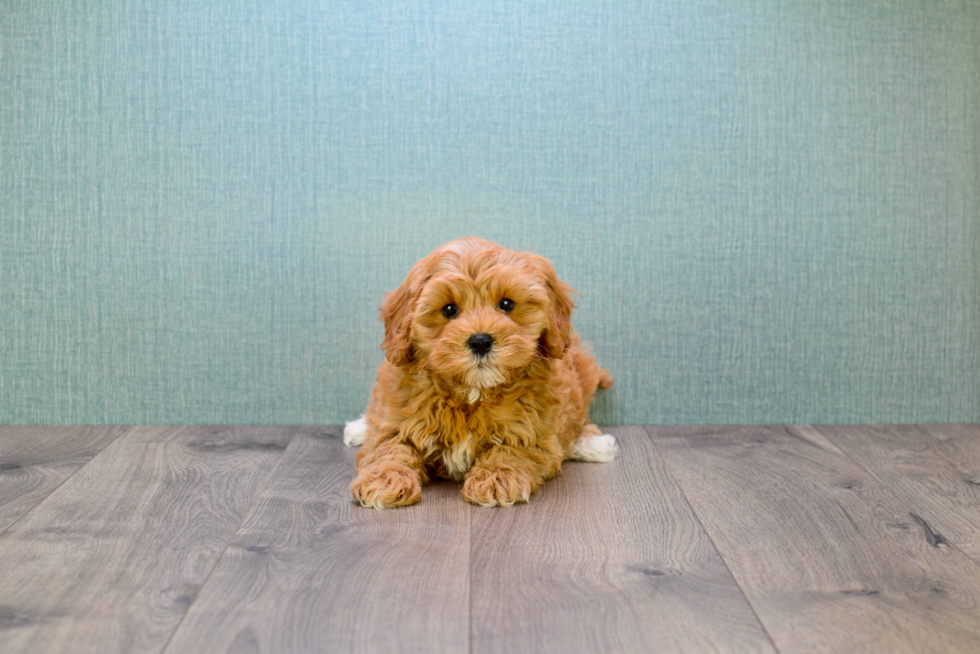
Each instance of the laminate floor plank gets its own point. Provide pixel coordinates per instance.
(934, 469)
(112, 559)
(829, 558)
(35, 460)
(311, 571)
(605, 558)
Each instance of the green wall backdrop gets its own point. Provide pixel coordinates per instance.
(770, 208)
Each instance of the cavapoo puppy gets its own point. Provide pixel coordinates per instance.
(483, 381)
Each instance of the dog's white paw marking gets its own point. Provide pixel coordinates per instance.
(354, 432)
(595, 448)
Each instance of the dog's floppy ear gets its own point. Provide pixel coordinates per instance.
(558, 334)
(396, 312)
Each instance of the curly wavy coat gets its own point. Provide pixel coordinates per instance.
(484, 381)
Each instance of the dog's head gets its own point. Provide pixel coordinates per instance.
(473, 313)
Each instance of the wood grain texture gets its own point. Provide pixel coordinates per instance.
(35, 460)
(311, 571)
(934, 469)
(112, 559)
(830, 560)
(605, 558)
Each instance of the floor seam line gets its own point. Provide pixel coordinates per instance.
(251, 508)
(126, 430)
(670, 473)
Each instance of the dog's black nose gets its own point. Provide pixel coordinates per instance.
(481, 343)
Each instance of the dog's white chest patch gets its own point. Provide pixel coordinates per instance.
(458, 458)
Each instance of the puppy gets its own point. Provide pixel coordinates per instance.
(484, 381)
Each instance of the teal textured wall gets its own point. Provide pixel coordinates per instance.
(770, 208)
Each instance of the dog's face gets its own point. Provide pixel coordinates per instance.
(473, 313)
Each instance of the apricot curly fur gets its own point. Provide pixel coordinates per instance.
(503, 423)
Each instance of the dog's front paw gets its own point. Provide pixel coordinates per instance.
(385, 486)
(496, 486)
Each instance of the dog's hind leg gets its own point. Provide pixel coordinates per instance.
(592, 445)
(355, 431)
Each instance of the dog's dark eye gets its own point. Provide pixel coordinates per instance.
(450, 311)
(506, 305)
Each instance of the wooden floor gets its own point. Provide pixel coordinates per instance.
(696, 539)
